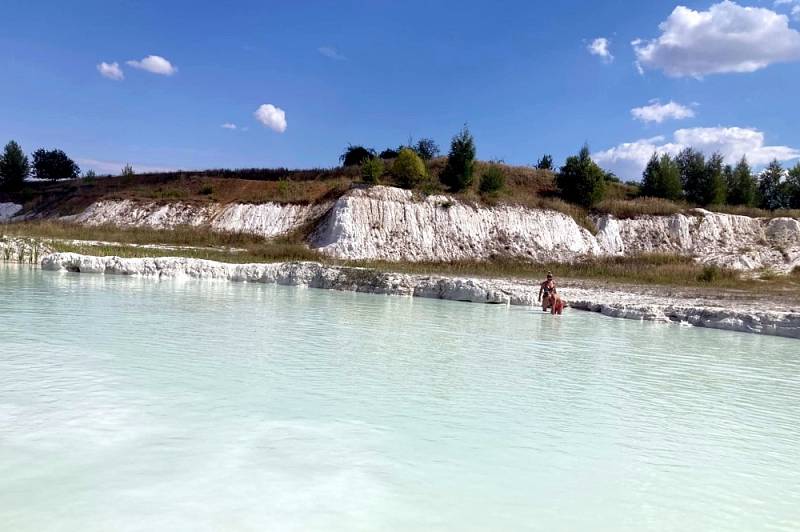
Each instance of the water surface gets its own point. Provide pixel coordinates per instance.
(137, 405)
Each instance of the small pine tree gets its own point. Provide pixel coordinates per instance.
(662, 178)
(492, 180)
(14, 167)
(409, 169)
(742, 186)
(545, 163)
(580, 179)
(457, 174)
(372, 170)
(769, 187)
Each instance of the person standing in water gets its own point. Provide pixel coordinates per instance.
(548, 286)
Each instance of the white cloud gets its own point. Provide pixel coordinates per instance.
(601, 47)
(331, 53)
(726, 38)
(629, 159)
(272, 117)
(228, 125)
(657, 112)
(111, 71)
(114, 168)
(155, 64)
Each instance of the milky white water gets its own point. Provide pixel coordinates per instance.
(130, 404)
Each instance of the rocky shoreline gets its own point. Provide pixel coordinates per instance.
(621, 302)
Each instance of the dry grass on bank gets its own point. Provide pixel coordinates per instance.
(631, 208)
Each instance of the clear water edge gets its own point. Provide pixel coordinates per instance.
(129, 404)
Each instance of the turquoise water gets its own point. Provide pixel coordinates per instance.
(129, 404)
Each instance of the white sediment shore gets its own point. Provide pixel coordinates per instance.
(616, 302)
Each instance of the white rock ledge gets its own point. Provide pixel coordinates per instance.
(728, 316)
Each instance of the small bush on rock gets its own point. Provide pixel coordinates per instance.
(492, 180)
(408, 169)
(372, 170)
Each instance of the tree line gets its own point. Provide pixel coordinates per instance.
(406, 164)
(15, 167)
(691, 177)
(688, 176)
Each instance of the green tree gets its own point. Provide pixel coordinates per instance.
(427, 149)
(492, 180)
(742, 186)
(792, 186)
(54, 165)
(662, 178)
(409, 169)
(714, 187)
(354, 155)
(581, 180)
(769, 187)
(692, 166)
(389, 153)
(14, 167)
(457, 174)
(372, 170)
(545, 163)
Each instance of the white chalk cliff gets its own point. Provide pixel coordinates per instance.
(263, 219)
(392, 224)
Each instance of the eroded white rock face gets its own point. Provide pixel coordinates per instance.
(8, 210)
(388, 223)
(26, 250)
(615, 303)
(737, 242)
(385, 223)
(263, 219)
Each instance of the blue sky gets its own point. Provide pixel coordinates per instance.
(528, 77)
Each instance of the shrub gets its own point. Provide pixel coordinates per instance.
(709, 274)
(127, 171)
(90, 174)
(427, 149)
(372, 170)
(389, 153)
(206, 190)
(457, 174)
(353, 155)
(492, 180)
(408, 169)
(580, 179)
(54, 165)
(545, 163)
(14, 167)
(662, 178)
